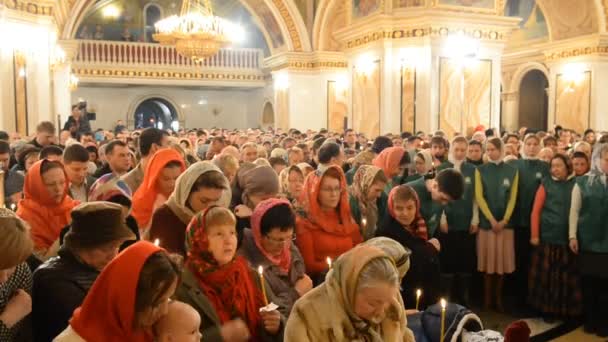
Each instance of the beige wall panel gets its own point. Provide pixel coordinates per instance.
(366, 102)
(408, 100)
(337, 109)
(572, 103)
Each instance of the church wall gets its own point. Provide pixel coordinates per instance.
(196, 108)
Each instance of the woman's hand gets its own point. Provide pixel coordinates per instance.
(17, 308)
(574, 246)
(473, 229)
(435, 244)
(498, 227)
(242, 211)
(272, 321)
(303, 285)
(534, 242)
(235, 331)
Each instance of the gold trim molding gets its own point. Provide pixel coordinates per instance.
(31, 7)
(291, 26)
(306, 61)
(298, 65)
(174, 75)
(598, 50)
(419, 32)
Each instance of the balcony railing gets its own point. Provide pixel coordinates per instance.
(133, 54)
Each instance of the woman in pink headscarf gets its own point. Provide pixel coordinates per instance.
(269, 243)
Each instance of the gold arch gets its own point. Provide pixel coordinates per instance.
(285, 12)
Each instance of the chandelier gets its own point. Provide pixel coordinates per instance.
(196, 33)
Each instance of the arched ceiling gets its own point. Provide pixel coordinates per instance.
(279, 21)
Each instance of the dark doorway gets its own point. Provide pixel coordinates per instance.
(156, 112)
(152, 16)
(533, 101)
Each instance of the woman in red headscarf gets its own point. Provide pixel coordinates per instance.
(405, 224)
(221, 286)
(159, 182)
(127, 299)
(324, 226)
(393, 161)
(46, 205)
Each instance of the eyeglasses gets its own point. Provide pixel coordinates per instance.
(280, 241)
(332, 190)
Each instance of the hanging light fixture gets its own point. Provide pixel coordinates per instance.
(196, 33)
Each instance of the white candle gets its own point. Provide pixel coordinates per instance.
(418, 294)
(443, 305)
(261, 272)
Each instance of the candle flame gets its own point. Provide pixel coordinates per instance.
(261, 270)
(329, 262)
(13, 206)
(157, 242)
(418, 293)
(443, 304)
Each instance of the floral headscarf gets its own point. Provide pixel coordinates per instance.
(230, 287)
(362, 182)
(108, 186)
(418, 225)
(284, 180)
(283, 261)
(596, 167)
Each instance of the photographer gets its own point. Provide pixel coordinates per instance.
(78, 123)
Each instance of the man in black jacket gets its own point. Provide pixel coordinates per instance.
(60, 285)
(77, 123)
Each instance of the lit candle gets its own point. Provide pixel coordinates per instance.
(261, 272)
(13, 207)
(329, 262)
(157, 242)
(443, 304)
(364, 222)
(418, 294)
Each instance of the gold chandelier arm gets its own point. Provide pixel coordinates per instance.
(207, 4)
(185, 7)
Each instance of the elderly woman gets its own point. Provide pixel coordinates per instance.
(359, 301)
(269, 244)
(367, 199)
(95, 235)
(15, 278)
(148, 277)
(221, 286)
(324, 226)
(46, 205)
(292, 182)
(162, 171)
(253, 185)
(199, 187)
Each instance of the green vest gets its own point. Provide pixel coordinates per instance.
(496, 181)
(556, 211)
(593, 215)
(350, 174)
(429, 209)
(531, 173)
(460, 213)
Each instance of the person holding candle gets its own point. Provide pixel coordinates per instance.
(588, 227)
(221, 286)
(359, 301)
(367, 199)
(404, 224)
(269, 243)
(324, 225)
(496, 185)
(554, 279)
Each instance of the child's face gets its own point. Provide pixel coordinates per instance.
(181, 324)
(405, 211)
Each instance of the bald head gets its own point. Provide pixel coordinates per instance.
(180, 324)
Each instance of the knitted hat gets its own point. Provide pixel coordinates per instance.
(16, 244)
(517, 332)
(97, 223)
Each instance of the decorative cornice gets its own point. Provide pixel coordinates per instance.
(597, 50)
(167, 75)
(306, 61)
(508, 97)
(35, 7)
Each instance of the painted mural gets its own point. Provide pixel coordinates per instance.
(489, 4)
(268, 21)
(363, 8)
(408, 3)
(533, 25)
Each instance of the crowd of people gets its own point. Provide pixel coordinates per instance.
(271, 235)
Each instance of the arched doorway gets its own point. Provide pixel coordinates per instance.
(156, 112)
(152, 14)
(533, 100)
(268, 115)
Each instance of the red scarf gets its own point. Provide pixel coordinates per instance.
(230, 288)
(418, 226)
(283, 261)
(108, 310)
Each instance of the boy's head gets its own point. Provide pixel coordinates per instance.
(180, 324)
(448, 186)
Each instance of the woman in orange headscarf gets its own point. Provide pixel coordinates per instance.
(46, 205)
(159, 182)
(393, 161)
(324, 225)
(127, 299)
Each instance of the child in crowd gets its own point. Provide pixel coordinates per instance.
(180, 324)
